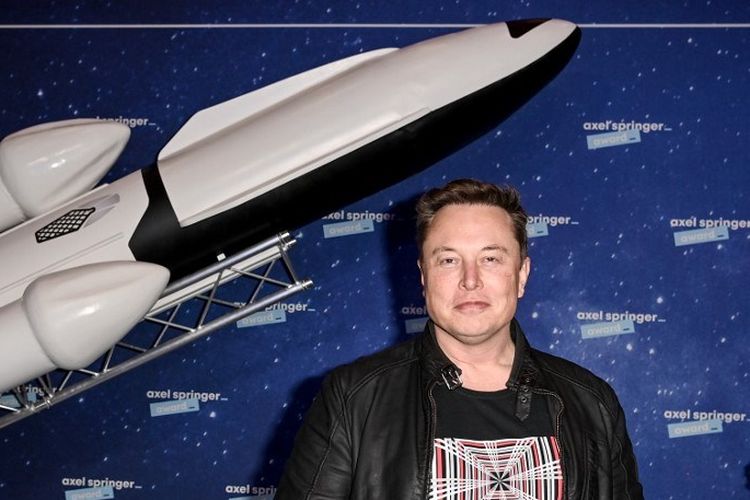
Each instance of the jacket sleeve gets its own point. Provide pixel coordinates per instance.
(320, 466)
(625, 483)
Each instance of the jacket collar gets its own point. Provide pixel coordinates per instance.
(524, 371)
(434, 362)
(524, 374)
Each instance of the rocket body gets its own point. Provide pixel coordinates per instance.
(273, 159)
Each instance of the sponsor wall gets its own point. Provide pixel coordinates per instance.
(633, 164)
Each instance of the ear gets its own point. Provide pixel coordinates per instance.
(523, 276)
(421, 272)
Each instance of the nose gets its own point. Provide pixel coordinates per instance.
(470, 279)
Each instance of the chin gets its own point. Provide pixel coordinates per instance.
(474, 335)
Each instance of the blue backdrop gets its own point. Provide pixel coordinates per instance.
(633, 162)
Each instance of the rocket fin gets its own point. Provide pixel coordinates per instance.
(44, 166)
(210, 121)
(69, 318)
(328, 153)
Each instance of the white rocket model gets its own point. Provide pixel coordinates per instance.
(89, 263)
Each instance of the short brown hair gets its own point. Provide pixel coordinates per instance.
(472, 192)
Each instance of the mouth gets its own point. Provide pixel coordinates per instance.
(472, 306)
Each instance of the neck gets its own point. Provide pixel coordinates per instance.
(485, 366)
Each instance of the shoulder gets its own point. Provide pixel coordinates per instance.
(391, 362)
(567, 376)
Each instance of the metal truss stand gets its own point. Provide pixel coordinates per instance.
(189, 309)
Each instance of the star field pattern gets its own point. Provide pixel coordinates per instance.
(611, 200)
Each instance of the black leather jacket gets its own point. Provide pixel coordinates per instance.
(369, 432)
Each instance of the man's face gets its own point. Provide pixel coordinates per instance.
(472, 272)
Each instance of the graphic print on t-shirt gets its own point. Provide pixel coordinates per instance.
(504, 469)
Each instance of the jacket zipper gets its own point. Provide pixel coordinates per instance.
(558, 436)
(430, 439)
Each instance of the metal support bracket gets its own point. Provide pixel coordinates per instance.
(189, 309)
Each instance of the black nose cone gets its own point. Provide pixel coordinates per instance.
(521, 27)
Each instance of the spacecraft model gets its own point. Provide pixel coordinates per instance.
(80, 266)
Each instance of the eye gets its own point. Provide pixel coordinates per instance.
(447, 261)
(492, 259)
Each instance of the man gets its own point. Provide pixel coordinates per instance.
(468, 410)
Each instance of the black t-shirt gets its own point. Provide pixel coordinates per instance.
(482, 450)
(487, 415)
